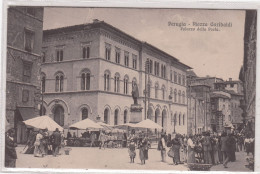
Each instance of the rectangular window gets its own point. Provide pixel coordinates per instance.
(134, 61)
(171, 76)
(59, 55)
(175, 77)
(155, 67)
(183, 80)
(158, 69)
(108, 51)
(118, 56)
(27, 70)
(85, 52)
(179, 79)
(126, 59)
(151, 67)
(25, 97)
(28, 40)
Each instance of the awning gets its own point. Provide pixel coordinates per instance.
(26, 112)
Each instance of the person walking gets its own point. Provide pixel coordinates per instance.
(216, 150)
(247, 145)
(226, 149)
(131, 151)
(92, 139)
(101, 140)
(56, 142)
(10, 152)
(143, 149)
(191, 154)
(233, 148)
(176, 150)
(37, 144)
(163, 147)
(206, 145)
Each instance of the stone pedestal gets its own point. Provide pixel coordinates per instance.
(135, 113)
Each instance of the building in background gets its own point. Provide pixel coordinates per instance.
(88, 71)
(24, 44)
(248, 71)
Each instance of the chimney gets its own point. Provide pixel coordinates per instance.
(230, 79)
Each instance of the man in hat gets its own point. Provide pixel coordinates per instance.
(10, 152)
(56, 142)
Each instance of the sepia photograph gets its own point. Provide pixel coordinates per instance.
(130, 88)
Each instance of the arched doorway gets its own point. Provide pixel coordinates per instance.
(164, 119)
(106, 116)
(58, 113)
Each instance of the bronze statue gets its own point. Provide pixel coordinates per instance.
(135, 93)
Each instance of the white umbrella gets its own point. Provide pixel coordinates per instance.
(124, 126)
(148, 124)
(117, 130)
(105, 126)
(86, 124)
(43, 122)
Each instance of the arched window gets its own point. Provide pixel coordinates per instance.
(43, 81)
(59, 82)
(116, 117)
(85, 52)
(175, 95)
(179, 119)
(179, 98)
(175, 119)
(125, 116)
(106, 81)
(85, 81)
(84, 113)
(126, 85)
(163, 92)
(106, 115)
(183, 119)
(156, 90)
(183, 97)
(116, 83)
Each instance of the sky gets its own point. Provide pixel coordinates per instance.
(213, 53)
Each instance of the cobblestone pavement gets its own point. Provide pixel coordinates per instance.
(94, 158)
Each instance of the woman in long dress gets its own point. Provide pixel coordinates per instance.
(37, 151)
(191, 154)
(143, 150)
(131, 150)
(176, 150)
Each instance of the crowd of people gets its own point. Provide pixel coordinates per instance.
(42, 142)
(203, 148)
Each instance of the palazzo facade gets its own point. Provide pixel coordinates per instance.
(88, 71)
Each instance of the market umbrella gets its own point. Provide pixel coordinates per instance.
(86, 124)
(117, 130)
(149, 124)
(105, 126)
(124, 126)
(43, 122)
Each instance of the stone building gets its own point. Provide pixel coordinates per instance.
(248, 71)
(235, 89)
(24, 44)
(88, 71)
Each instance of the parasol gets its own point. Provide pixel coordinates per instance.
(43, 122)
(124, 126)
(149, 124)
(86, 124)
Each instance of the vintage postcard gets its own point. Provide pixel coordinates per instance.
(130, 89)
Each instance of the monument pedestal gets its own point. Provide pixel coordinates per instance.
(135, 113)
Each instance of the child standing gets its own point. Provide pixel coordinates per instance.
(131, 151)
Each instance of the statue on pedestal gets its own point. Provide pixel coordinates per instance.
(135, 93)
